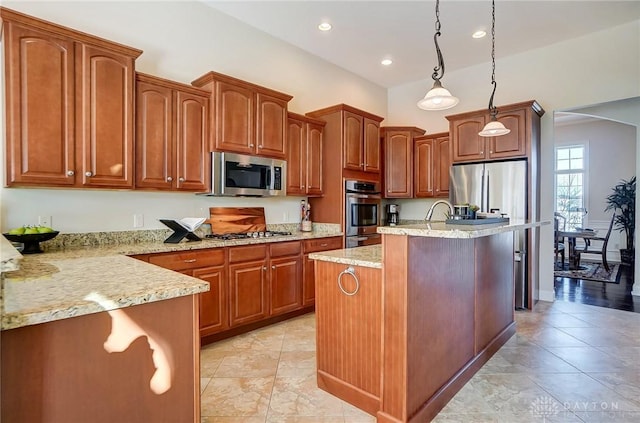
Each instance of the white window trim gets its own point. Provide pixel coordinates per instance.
(585, 175)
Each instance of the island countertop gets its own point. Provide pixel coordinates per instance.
(446, 230)
(367, 256)
(54, 285)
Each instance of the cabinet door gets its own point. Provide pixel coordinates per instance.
(234, 118)
(296, 157)
(105, 117)
(467, 144)
(424, 160)
(271, 124)
(314, 159)
(442, 163)
(514, 144)
(154, 136)
(248, 292)
(398, 160)
(39, 93)
(308, 282)
(353, 135)
(214, 316)
(192, 155)
(371, 145)
(286, 284)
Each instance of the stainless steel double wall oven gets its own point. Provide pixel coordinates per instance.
(362, 213)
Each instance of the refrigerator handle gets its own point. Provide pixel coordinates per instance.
(484, 192)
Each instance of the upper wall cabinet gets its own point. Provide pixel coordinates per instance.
(246, 118)
(172, 147)
(432, 162)
(354, 135)
(69, 106)
(468, 146)
(304, 156)
(397, 144)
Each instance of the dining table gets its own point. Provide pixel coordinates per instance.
(573, 252)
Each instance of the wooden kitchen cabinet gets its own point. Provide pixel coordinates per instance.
(171, 135)
(304, 155)
(355, 135)
(308, 265)
(247, 118)
(398, 148)
(69, 97)
(285, 277)
(467, 145)
(432, 162)
(248, 284)
(214, 314)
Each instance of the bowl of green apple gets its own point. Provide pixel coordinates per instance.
(31, 237)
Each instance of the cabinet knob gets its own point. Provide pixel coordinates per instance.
(70, 173)
(88, 174)
(264, 267)
(490, 151)
(251, 145)
(181, 179)
(169, 179)
(273, 267)
(302, 186)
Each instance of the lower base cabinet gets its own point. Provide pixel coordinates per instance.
(214, 315)
(248, 292)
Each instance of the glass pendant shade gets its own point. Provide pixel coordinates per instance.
(494, 129)
(438, 98)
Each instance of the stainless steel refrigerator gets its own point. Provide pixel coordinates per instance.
(499, 187)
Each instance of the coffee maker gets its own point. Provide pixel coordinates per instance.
(393, 217)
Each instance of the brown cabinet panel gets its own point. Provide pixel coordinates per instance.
(308, 282)
(39, 73)
(154, 139)
(234, 117)
(314, 159)
(247, 253)
(424, 160)
(285, 284)
(467, 144)
(280, 249)
(513, 144)
(322, 244)
(353, 136)
(214, 315)
(271, 124)
(188, 259)
(248, 292)
(371, 146)
(192, 157)
(296, 151)
(105, 116)
(442, 155)
(398, 177)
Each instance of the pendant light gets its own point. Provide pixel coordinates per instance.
(493, 128)
(438, 97)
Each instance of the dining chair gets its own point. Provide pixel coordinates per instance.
(602, 250)
(558, 241)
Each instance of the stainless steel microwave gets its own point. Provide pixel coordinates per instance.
(241, 175)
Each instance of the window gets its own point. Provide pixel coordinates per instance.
(570, 184)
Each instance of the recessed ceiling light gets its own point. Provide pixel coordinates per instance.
(324, 26)
(386, 62)
(479, 34)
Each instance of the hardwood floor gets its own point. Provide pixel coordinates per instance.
(610, 295)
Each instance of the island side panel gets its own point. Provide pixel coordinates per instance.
(440, 310)
(495, 302)
(349, 334)
(60, 372)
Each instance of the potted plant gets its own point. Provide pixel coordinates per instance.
(623, 202)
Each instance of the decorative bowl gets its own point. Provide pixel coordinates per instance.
(31, 241)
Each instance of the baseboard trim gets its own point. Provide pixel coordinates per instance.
(547, 296)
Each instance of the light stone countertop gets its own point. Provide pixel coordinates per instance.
(53, 285)
(367, 256)
(446, 230)
(9, 256)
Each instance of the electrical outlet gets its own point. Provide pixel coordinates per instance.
(138, 220)
(45, 221)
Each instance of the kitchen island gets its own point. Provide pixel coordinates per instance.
(399, 334)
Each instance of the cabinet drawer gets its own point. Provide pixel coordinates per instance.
(248, 253)
(188, 259)
(322, 244)
(280, 249)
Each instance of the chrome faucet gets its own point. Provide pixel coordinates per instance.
(433, 206)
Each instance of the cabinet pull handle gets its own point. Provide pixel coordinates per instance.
(181, 179)
(323, 245)
(169, 179)
(70, 173)
(251, 145)
(273, 267)
(191, 261)
(88, 174)
(349, 271)
(264, 267)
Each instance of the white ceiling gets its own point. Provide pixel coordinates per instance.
(364, 32)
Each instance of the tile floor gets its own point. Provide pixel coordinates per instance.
(568, 362)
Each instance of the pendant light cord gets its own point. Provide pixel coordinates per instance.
(492, 109)
(440, 67)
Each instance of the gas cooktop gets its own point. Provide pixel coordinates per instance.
(245, 235)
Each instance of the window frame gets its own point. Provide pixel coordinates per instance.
(584, 171)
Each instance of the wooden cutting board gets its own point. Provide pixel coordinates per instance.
(227, 220)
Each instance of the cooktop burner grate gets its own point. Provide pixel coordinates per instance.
(244, 235)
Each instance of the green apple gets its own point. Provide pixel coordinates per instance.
(44, 229)
(31, 230)
(17, 231)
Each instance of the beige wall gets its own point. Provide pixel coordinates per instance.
(181, 41)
